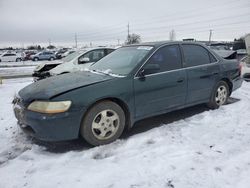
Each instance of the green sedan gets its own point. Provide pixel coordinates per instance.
(132, 83)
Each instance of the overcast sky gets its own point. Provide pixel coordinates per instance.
(26, 22)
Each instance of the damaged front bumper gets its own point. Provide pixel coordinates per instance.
(48, 127)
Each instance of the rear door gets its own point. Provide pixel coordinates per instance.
(163, 89)
(202, 72)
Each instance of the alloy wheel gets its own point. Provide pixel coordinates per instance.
(105, 124)
(221, 95)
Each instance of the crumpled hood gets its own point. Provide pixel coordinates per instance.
(40, 66)
(47, 88)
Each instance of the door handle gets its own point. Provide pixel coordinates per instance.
(180, 80)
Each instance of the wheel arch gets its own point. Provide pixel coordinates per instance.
(121, 103)
(229, 83)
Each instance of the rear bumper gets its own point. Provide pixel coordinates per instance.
(237, 83)
(56, 127)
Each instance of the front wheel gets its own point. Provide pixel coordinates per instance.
(103, 123)
(51, 59)
(219, 96)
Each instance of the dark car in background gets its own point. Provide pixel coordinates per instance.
(28, 55)
(59, 53)
(132, 83)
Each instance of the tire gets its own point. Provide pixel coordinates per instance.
(36, 59)
(52, 58)
(103, 123)
(18, 59)
(0, 60)
(219, 95)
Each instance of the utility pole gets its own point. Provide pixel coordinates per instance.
(76, 40)
(210, 35)
(118, 40)
(128, 29)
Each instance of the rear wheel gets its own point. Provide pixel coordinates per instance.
(219, 96)
(103, 123)
(18, 59)
(51, 59)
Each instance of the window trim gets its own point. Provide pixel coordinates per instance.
(184, 68)
(182, 57)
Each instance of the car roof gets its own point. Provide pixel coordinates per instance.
(161, 43)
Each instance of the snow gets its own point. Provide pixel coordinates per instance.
(20, 64)
(20, 69)
(200, 148)
(108, 72)
(16, 71)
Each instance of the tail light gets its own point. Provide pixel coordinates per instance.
(240, 68)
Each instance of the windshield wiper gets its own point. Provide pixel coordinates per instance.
(98, 71)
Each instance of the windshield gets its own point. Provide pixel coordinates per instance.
(71, 56)
(122, 61)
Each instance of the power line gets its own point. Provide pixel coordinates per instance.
(121, 25)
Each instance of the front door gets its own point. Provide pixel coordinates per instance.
(163, 89)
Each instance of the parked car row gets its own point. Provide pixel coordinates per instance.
(35, 55)
(129, 84)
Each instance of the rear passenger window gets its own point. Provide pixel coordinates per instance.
(168, 58)
(195, 55)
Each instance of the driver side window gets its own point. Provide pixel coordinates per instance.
(94, 55)
(166, 58)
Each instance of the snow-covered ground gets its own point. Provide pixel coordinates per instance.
(209, 149)
(16, 71)
(20, 64)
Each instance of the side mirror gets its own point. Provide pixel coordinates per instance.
(83, 60)
(151, 68)
(148, 69)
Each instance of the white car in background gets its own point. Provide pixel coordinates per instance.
(245, 69)
(76, 61)
(65, 54)
(11, 56)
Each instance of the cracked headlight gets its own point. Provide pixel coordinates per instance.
(49, 107)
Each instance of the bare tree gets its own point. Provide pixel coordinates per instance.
(172, 35)
(133, 39)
